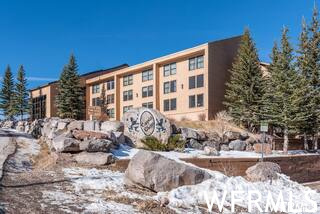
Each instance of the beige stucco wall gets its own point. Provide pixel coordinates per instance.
(182, 77)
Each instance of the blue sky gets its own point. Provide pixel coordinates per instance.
(42, 34)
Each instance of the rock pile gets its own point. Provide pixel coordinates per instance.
(230, 140)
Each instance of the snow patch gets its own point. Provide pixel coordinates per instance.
(189, 197)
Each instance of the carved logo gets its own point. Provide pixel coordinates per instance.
(147, 123)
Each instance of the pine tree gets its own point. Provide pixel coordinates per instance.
(246, 86)
(283, 97)
(103, 103)
(70, 94)
(311, 72)
(6, 95)
(308, 102)
(20, 98)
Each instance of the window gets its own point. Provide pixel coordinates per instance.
(195, 63)
(128, 80)
(38, 107)
(127, 95)
(96, 101)
(169, 69)
(200, 81)
(200, 100)
(170, 104)
(192, 82)
(196, 81)
(196, 101)
(95, 89)
(192, 64)
(110, 112)
(170, 86)
(110, 99)
(147, 75)
(147, 91)
(147, 105)
(126, 108)
(110, 84)
(192, 101)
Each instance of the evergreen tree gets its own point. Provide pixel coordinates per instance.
(6, 95)
(283, 97)
(70, 94)
(308, 104)
(20, 99)
(103, 103)
(311, 71)
(246, 86)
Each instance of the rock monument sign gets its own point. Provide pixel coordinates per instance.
(142, 122)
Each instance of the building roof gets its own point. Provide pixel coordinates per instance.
(101, 71)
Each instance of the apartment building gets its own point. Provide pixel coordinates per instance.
(43, 98)
(188, 84)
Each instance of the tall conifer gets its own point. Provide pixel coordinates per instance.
(283, 97)
(21, 100)
(246, 86)
(6, 95)
(70, 94)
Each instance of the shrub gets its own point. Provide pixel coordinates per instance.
(202, 117)
(175, 142)
(152, 143)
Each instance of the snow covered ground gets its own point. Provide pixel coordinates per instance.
(89, 190)
(127, 152)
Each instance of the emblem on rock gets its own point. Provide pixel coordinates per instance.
(142, 122)
(147, 123)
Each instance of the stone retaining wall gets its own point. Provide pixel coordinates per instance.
(300, 168)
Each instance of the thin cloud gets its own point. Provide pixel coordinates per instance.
(40, 79)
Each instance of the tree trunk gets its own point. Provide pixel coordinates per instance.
(315, 142)
(305, 141)
(285, 141)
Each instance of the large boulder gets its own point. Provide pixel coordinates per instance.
(97, 158)
(76, 125)
(112, 126)
(8, 124)
(237, 145)
(188, 133)
(158, 173)
(64, 143)
(230, 136)
(194, 144)
(82, 135)
(142, 122)
(35, 129)
(97, 145)
(21, 126)
(263, 171)
(210, 151)
(91, 125)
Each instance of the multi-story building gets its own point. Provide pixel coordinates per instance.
(43, 97)
(187, 84)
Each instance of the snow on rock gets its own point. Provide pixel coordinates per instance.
(191, 197)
